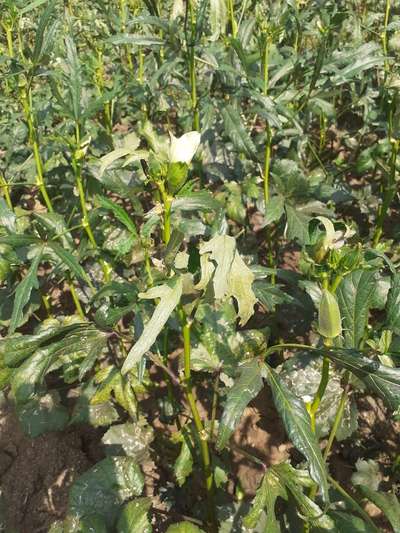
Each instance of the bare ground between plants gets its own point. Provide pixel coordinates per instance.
(36, 474)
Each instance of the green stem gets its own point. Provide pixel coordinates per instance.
(232, 20)
(10, 45)
(201, 432)
(76, 165)
(192, 68)
(26, 97)
(389, 192)
(384, 35)
(76, 300)
(267, 164)
(354, 504)
(339, 414)
(313, 408)
(214, 406)
(6, 188)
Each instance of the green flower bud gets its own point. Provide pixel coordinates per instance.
(329, 321)
(4, 269)
(176, 176)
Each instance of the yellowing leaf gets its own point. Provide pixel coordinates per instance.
(232, 277)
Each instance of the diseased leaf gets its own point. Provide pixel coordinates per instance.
(245, 389)
(133, 517)
(354, 296)
(296, 420)
(170, 295)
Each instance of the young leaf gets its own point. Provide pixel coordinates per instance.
(170, 295)
(23, 293)
(296, 420)
(354, 296)
(245, 389)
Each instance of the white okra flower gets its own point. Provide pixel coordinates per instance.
(182, 149)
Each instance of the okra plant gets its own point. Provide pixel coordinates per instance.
(198, 206)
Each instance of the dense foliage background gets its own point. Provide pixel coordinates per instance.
(154, 282)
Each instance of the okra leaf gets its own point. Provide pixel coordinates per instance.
(184, 463)
(119, 213)
(393, 306)
(232, 277)
(70, 261)
(218, 18)
(170, 295)
(380, 379)
(279, 481)
(131, 439)
(354, 296)
(274, 210)
(265, 498)
(134, 517)
(297, 422)
(245, 389)
(297, 225)
(139, 40)
(196, 201)
(23, 293)
(184, 527)
(236, 131)
(105, 487)
(43, 414)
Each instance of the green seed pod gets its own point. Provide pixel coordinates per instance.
(329, 321)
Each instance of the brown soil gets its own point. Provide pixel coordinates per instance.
(36, 474)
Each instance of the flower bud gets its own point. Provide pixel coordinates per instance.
(176, 176)
(329, 321)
